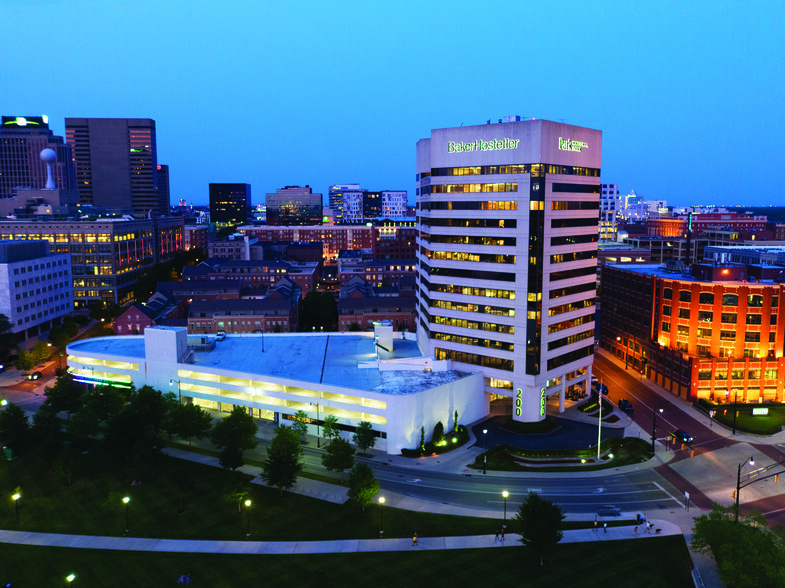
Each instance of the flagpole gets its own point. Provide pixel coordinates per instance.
(599, 424)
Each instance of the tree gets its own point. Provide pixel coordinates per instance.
(338, 456)
(25, 361)
(364, 436)
(363, 485)
(7, 342)
(48, 428)
(236, 432)
(231, 458)
(438, 434)
(236, 489)
(65, 464)
(66, 395)
(189, 420)
(455, 426)
(539, 524)
(300, 422)
(747, 553)
(14, 426)
(40, 352)
(354, 326)
(330, 427)
(282, 465)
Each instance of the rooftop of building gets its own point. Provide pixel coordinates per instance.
(328, 359)
(661, 271)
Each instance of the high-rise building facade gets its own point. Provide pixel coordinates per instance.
(116, 163)
(21, 141)
(610, 205)
(293, 206)
(230, 204)
(507, 255)
(394, 203)
(335, 199)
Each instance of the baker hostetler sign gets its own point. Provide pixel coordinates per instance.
(572, 145)
(480, 145)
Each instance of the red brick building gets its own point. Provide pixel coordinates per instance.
(711, 334)
(161, 306)
(334, 237)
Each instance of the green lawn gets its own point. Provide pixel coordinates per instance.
(184, 500)
(769, 424)
(621, 564)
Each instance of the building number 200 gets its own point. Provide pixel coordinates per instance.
(518, 403)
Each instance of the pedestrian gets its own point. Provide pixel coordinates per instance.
(648, 527)
(605, 527)
(414, 540)
(496, 539)
(635, 532)
(595, 525)
(501, 539)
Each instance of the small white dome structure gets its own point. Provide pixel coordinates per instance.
(48, 156)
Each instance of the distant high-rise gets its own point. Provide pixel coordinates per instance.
(21, 141)
(335, 196)
(230, 204)
(163, 187)
(117, 163)
(294, 206)
(610, 206)
(394, 203)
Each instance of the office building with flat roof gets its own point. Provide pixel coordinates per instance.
(35, 286)
(230, 204)
(21, 141)
(507, 254)
(293, 206)
(116, 162)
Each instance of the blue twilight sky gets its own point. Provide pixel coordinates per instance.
(690, 96)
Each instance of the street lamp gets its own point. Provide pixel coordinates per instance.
(485, 449)
(172, 383)
(751, 461)
(318, 439)
(126, 500)
(505, 494)
(654, 429)
(381, 517)
(735, 399)
(16, 498)
(248, 512)
(70, 577)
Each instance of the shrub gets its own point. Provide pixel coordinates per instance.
(438, 434)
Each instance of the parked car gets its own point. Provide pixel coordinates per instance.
(220, 335)
(34, 376)
(682, 436)
(624, 404)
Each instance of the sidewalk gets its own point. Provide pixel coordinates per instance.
(300, 547)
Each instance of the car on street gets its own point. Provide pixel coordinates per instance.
(35, 376)
(220, 335)
(624, 404)
(682, 436)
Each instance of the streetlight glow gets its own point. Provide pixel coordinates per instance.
(70, 577)
(126, 499)
(381, 517)
(505, 494)
(248, 513)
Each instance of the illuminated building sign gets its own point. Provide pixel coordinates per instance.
(572, 145)
(760, 411)
(479, 145)
(542, 402)
(518, 402)
(21, 121)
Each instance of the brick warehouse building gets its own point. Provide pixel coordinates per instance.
(706, 335)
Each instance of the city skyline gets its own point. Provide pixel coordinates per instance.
(309, 94)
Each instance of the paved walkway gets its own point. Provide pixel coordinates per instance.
(300, 547)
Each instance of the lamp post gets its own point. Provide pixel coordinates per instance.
(172, 383)
(16, 498)
(70, 578)
(485, 450)
(654, 429)
(735, 399)
(381, 517)
(318, 439)
(125, 501)
(751, 461)
(505, 494)
(248, 513)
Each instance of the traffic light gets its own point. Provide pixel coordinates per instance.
(682, 446)
(692, 452)
(733, 495)
(776, 478)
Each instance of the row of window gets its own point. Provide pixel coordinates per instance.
(753, 300)
(463, 323)
(470, 188)
(474, 359)
(728, 318)
(574, 256)
(571, 306)
(574, 240)
(581, 320)
(474, 257)
(573, 273)
(738, 374)
(483, 223)
(480, 308)
(571, 339)
(535, 169)
(469, 240)
(45, 312)
(471, 205)
(570, 290)
(470, 290)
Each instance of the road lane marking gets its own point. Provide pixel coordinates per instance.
(676, 500)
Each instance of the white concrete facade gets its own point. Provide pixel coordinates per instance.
(508, 228)
(346, 374)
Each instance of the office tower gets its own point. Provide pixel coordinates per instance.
(507, 256)
(21, 141)
(163, 187)
(394, 203)
(335, 199)
(116, 163)
(610, 206)
(230, 204)
(294, 206)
